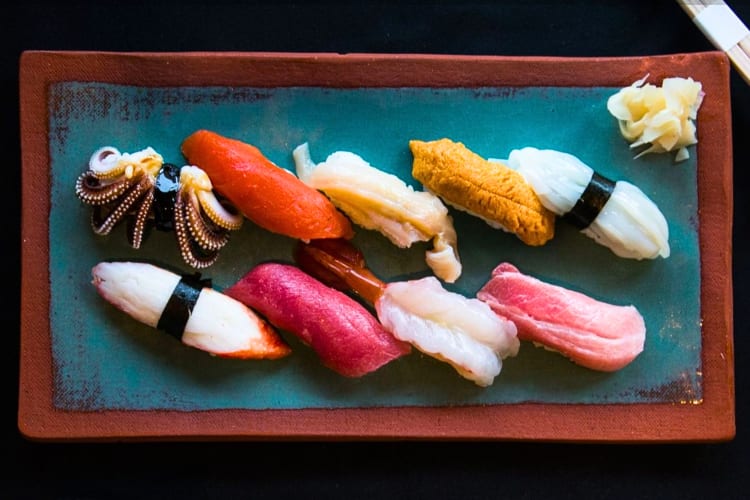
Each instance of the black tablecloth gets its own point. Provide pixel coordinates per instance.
(360, 469)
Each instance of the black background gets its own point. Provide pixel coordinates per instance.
(363, 469)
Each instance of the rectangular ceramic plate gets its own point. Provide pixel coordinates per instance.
(90, 373)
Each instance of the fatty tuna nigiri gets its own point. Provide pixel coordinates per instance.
(188, 309)
(265, 193)
(460, 331)
(380, 201)
(589, 332)
(346, 336)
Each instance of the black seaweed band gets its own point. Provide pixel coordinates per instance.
(177, 312)
(591, 202)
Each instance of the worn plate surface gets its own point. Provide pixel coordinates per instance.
(89, 372)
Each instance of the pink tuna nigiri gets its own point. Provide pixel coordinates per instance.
(346, 336)
(589, 332)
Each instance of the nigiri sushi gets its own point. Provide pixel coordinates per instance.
(346, 336)
(272, 197)
(616, 214)
(589, 332)
(188, 309)
(489, 190)
(448, 326)
(380, 201)
(461, 331)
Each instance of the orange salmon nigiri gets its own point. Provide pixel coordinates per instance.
(265, 193)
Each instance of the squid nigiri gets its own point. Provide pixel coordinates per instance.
(188, 309)
(380, 201)
(615, 214)
(346, 336)
(463, 332)
(272, 197)
(489, 190)
(589, 332)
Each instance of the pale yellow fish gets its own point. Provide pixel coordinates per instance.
(380, 201)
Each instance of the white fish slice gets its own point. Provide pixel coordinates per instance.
(448, 326)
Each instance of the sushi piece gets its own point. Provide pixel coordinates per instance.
(489, 190)
(448, 326)
(270, 196)
(615, 214)
(382, 202)
(346, 336)
(461, 331)
(188, 309)
(591, 333)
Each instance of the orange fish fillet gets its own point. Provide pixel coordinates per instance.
(265, 193)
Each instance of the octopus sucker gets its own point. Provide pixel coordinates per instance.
(93, 191)
(192, 253)
(147, 192)
(218, 212)
(138, 224)
(103, 224)
(206, 235)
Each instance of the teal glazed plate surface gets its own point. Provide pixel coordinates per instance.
(90, 372)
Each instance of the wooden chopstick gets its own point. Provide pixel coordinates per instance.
(724, 29)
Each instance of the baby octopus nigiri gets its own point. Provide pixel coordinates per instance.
(377, 200)
(447, 326)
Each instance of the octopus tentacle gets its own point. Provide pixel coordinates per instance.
(218, 213)
(197, 180)
(205, 235)
(138, 227)
(92, 191)
(193, 255)
(102, 223)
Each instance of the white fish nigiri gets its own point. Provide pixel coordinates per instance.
(197, 315)
(617, 214)
(380, 201)
(448, 326)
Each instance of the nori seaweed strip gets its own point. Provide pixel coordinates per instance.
(591, 202)
(177, 312)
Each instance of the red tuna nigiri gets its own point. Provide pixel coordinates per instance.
(589, 332)
(265, 193)
(346, 336)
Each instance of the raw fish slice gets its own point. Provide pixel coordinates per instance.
(591, 333)
(382, 202)
(198, 316)
(265, 193)
(445, 325)
(450, 327)
(625, 220)
(346, 336)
